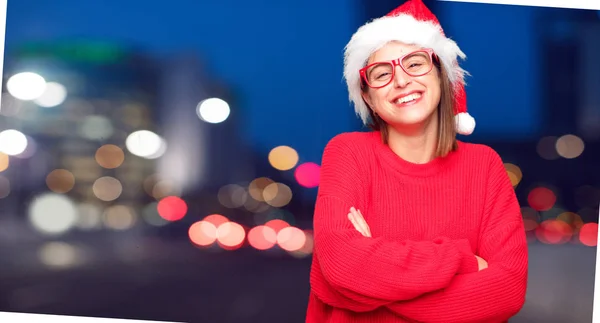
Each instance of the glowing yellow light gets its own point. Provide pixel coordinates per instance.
(4, 162)
(514, 173)
(283, 158)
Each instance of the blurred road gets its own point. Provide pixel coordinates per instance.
(177, 282)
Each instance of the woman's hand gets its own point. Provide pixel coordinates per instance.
(359, 222)
(481, 263)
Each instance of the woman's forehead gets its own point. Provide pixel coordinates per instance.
(392, 50)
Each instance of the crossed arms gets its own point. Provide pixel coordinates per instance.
(427, 281)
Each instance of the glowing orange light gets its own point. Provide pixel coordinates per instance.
(216, 219)
(291, 239)
(554, 232)
(262, 237)
(231, 235)
(203, 233)
(277, 225)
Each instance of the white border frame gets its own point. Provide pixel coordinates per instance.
(7, 317)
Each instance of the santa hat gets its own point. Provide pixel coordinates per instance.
(411, 23)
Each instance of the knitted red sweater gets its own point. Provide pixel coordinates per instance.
(427, 223)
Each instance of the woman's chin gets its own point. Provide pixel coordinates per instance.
(412, 121)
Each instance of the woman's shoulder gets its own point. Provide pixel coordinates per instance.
(355, 140)
(482, 155)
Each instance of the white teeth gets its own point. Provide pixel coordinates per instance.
(408, 98)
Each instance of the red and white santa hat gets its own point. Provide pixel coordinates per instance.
(411, 23)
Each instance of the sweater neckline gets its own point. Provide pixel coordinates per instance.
(400, 165)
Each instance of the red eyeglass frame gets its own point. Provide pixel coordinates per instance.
(396, 62)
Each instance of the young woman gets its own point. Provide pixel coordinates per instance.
(412, 225)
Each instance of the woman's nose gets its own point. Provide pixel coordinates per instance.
(401, 79)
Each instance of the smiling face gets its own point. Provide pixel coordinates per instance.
(407, 102)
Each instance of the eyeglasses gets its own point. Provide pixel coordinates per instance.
(380, 74)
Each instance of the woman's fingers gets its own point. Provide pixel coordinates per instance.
(360, 222)
(354, 222)
(364, 223)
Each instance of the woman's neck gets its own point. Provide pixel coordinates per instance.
(417, 146)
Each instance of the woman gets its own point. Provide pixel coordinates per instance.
(410, 224)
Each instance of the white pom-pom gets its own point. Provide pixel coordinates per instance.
(465, 124)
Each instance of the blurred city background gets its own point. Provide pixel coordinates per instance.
(160, 160)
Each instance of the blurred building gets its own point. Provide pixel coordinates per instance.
(92, 97)
(200, 119)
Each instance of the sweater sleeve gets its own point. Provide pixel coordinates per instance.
(359, 273)
(494, 294)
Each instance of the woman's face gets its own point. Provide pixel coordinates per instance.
(407, 101)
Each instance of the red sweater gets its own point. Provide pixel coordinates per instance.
(427, 224)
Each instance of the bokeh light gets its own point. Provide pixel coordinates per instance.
(202, 233)
(277, 194)
(59, 255)
(277, 225)
(172, 208)
(307, 248)
(216, 219)
(588, 234)
(145, 144)
(262, 237)
(12, 142)
(4, 162)
(308, 174)
(257, 187)
(283, 158)
(572, 219)
(213, 110)
(541, 198)
(119, 217)
(54, 94)
(514, 173)
(107, 188)
(26, 86)
(52, 213)
(569, 146)
(60, 181)
(554, 232)
(110, 156)
(291, 238)
(230, 235)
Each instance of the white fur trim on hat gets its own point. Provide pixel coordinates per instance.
(465, 124)
(403, 28)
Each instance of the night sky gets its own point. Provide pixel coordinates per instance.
(284, 59)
